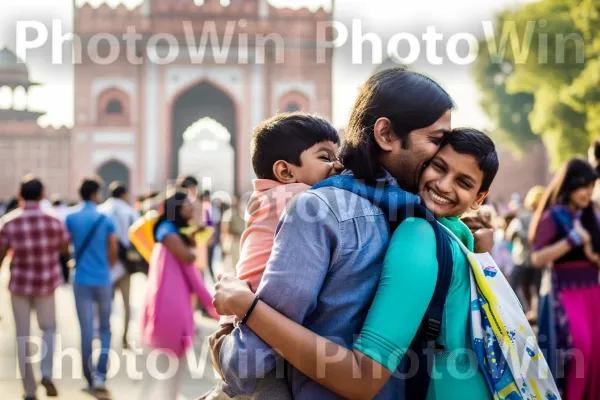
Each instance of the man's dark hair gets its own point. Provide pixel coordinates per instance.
(285, 137)
(117, 189)
(595, 147)
(408, 99)
(32, 188)
(89, 187)
(187, 182)
(479, 145)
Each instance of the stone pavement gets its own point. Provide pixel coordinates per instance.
(126, 365)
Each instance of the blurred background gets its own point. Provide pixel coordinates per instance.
(144, 91)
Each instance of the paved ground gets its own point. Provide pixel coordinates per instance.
(126, 383)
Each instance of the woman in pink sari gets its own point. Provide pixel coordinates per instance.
(167, 316)
(565, 235)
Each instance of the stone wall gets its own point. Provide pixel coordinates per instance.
(28, 148)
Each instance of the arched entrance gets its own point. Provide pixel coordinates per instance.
(203, 101)
(113, 171)
(207, 151)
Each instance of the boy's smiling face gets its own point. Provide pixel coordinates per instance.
(450, 183)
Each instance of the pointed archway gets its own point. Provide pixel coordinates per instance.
(111, 171)
(207, 151)
(202, 100)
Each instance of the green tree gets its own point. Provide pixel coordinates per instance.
(542, 67)
(508, 111)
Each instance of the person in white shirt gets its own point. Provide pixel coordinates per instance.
(124, 215)
(59, 207)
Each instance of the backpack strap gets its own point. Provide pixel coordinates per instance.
(425, 344)
(435, 310)
(88, 239)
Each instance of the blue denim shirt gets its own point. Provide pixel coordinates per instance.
(323, 273)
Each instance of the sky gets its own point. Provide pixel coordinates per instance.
(385, 18)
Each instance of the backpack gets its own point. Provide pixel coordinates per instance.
(141, 234)
(507, 351)
(398, 205)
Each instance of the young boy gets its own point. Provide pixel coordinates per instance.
(290, 153)
(457, 179)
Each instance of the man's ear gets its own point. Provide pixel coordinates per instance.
(481, 196)
(383, 134)
(283, 172)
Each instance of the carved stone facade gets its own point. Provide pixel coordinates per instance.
(263, 61)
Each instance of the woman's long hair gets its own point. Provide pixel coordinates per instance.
(575, 174)
(171, 211)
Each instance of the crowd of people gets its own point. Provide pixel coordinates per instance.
(347, 259)
(87, 245)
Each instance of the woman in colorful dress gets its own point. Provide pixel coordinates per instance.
(167, 317)
(566, 236)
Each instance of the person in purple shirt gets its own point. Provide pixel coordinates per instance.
(565, 234)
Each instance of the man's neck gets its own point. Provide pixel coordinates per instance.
(119, 200)
(31, 204)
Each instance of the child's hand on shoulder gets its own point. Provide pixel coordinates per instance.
(484, 240)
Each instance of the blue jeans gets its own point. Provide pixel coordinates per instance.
(85, 298)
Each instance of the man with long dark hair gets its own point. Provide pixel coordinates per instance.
(328, 252)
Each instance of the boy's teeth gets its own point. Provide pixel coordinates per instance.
(438, 198)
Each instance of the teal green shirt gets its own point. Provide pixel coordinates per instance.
(405, 289)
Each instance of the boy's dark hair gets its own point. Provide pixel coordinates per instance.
(89, 187)
(117, 189)
(187, 182)
(408, 99)
(479, 145)
(31, 188)
(285, 137)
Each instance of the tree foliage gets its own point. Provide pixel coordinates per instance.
(545, 79)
